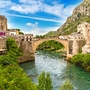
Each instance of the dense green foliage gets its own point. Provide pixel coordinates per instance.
(83, 60)
(72, 26)
(52, 34)
(50, 45)
(44, 82)
(12, 77)
(66, 86)
(39, 36)
(13, 52)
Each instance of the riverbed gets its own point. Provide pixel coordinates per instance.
(59, 69)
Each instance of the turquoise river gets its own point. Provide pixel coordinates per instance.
(59, 69)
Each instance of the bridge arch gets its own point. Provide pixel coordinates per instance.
(38, 42)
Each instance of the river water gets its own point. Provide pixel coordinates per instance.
(59, 69)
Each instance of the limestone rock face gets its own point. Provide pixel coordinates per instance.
(3, 23)
(82, 10)
(28, 52)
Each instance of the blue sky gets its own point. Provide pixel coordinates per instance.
(37, 16)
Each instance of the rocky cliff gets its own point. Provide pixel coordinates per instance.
(80, 14)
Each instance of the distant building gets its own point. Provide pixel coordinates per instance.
(28, 37)
(65, 37)
(76, 36)
(13, 31)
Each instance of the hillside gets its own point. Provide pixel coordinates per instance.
(80, 14)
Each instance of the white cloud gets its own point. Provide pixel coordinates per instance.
(41, 31)
(34, 6)
(28, 6)
(36, 18)
(33, 25)
(25, 8)
(6, 4)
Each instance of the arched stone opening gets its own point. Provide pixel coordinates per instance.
(37, 43)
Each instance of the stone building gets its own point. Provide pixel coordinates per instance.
(80, 39)
(85, 30)
(3, 23)
(75, 43)
(28, 37)
(13, 31)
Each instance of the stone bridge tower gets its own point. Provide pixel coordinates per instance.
(3, 23)
(26, 43)
(75, 43)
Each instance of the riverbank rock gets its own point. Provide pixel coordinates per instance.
(26, 58)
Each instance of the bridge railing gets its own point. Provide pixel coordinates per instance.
(51, 37)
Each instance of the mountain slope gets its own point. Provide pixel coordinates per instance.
(80, 14)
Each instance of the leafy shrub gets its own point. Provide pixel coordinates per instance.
(66, 86)
(82, 59)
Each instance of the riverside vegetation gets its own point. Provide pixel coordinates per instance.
(12, 77)
(82, 60)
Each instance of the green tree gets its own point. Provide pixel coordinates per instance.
(11, 44)
(12, 77)
(83, 60)
(48, 82)
(12, 47)
(66, 86)
(44, 82)
(41, 81)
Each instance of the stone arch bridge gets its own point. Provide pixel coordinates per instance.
(36, 43)
(30, 44)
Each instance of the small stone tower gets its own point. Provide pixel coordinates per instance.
(3, 23)
(86, 32)
(75, 43)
